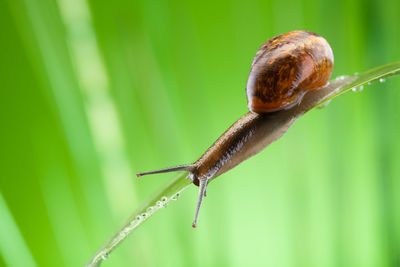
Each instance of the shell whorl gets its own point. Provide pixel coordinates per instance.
(285, 68)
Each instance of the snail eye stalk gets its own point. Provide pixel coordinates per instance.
(202, 193)
(172, 169)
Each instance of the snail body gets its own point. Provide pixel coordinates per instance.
(283, 71)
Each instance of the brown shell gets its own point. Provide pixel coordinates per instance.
(285, 68)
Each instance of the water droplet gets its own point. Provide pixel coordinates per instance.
(138, 217)
(144, 215)
(160, 204)
(324, 104)
(105, 256)
(149, 209)
(358, 89)
(164, 199)
(341, 77)
(134, 223)
(382, 80)
(176, 196)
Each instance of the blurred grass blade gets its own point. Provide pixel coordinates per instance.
(103, 118)
(13, 248)
(175, 187)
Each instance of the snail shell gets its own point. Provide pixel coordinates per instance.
(285, 68)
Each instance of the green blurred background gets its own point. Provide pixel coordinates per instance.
(93, 91)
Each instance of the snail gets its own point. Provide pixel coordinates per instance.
(284, 70)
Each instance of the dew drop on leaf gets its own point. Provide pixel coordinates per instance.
(149, 209)
(341, 77)
(175, 197)
(358, 89)
(324, 104)
(105, 256)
